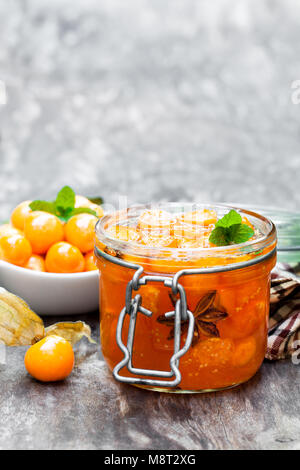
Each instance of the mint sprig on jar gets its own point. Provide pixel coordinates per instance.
(231, 229)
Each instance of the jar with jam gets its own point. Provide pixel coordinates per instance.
(182, 309)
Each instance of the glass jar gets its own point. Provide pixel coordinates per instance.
(186, 319)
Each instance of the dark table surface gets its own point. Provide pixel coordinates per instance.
(90, 410)
(173, 100)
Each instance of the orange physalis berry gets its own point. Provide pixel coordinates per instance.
(19, 215)
(35, 263)
(89, 260)
(7, 229)
(15, 249)
(79, 231)
(50, 360)
(42, 230)
(64, 258)
(81, 201)
(97, 209)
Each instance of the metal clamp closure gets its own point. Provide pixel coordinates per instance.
(132, 308)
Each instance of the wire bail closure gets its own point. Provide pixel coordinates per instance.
(133, 306)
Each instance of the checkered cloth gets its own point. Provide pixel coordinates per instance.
(284, 322)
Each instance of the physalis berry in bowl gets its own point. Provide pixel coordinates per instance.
(45, 253)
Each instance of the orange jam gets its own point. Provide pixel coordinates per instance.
(229, 299)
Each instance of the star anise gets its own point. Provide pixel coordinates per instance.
(206, 316)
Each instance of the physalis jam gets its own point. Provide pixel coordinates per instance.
(184, 294)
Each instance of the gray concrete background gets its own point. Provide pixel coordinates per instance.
(173, 99)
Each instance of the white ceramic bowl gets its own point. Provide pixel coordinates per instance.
(50, 293)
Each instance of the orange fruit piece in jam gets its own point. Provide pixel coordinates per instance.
(196, 242)
(124, 233)
(244, 321)
(50, 360)
(199, 217)
(158, 240)
(15, 249)
(206, 357)
(155, 220)
(244, 351)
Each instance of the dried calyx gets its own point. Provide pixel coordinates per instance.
(20, 326)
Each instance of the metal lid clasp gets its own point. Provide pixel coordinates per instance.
(132, 308)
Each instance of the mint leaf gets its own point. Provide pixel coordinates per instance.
(96, 200)
(83, 210)
(64, 215)
(45, 206)
(230, 230)
(78, 210)
(229, 219)
(240, 233)
(63, 206)
(62, 218)
(65, 200)
(219, 237)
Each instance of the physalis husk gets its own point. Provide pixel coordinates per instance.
(20, 326)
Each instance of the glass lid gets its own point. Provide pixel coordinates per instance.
(175, 215)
